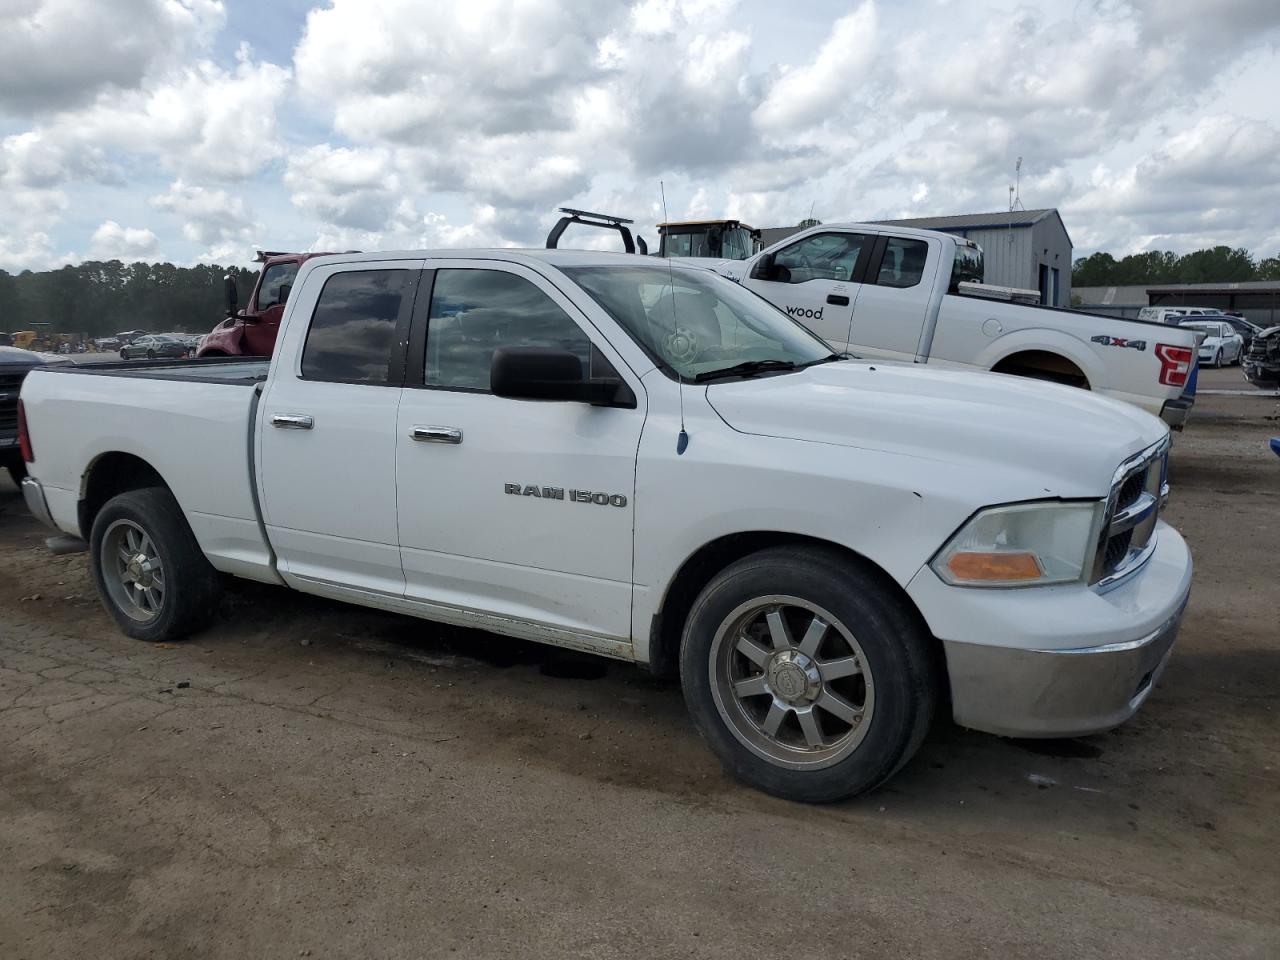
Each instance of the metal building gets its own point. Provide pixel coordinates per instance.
(1023, 248)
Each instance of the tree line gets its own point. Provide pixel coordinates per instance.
(99, 299)
(1220, 264)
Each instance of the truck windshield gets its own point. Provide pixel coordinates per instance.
(694, 321)
(967, 267)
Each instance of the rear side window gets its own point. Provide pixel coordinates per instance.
(353, 328)
(473, 312)
(903, 262)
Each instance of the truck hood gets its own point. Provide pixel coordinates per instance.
(1070, 439)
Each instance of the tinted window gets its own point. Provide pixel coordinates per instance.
(824, 256)
(354, 325)
(903, 263)
(473, 312)
(276, 275)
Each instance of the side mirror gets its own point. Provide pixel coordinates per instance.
(283, 296)
(544, 373)
(233, 295)
(763, 269)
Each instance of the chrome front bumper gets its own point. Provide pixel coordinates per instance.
(1057, 693)
(33, 494)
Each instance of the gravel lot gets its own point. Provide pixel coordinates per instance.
(310, 779)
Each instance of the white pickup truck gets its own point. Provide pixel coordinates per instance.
(895, 293)
(563, 446)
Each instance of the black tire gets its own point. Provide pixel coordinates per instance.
(896, 655)
(190, 586)
(151, 354)
(17, 472)
(124, 353)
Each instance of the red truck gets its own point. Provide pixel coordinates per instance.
(251, 331)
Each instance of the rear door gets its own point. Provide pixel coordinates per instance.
(521, 510)
(816, 280)
(327, 429)
(894, 300)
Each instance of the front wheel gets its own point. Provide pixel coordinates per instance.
(151, 354)
(807, 676)
(150, 573)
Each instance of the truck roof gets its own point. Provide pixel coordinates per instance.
(526, 255)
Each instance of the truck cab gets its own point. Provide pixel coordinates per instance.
(251, 331)
(717, 239)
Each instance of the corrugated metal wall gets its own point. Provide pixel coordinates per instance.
(1013, 256)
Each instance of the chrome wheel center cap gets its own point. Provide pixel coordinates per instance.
(793, 677)
(139, 571)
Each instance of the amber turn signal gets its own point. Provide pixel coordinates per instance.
(994, 567)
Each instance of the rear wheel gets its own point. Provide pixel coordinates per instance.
(151, 354)
(807, 677)
(149, 570)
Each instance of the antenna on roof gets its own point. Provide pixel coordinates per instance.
(682, 440)
(1015, 195)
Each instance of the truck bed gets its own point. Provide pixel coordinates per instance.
(243, 370)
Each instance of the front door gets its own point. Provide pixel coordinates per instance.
(816, 280)
(327, 430)
(894, 302)
(515, 509)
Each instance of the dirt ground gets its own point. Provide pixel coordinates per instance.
(311, 779)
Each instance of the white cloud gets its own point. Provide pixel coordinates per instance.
(111, 241)
(60, 53)
(401, 123)
(214, 219)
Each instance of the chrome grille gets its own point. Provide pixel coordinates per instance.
(1138, 491)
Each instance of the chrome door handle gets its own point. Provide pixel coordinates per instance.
(437, 434)
(292, 421)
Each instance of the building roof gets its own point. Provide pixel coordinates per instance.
(1115, 296)
(1240, 286)
(975, 221)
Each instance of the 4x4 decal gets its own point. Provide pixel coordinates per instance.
(1107, 341)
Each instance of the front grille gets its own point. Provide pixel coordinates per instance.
(10, 384)
(1137, 492)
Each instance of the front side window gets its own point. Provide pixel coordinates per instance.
(823, 256)
(903, 263)
(473, 312)
(353, 328)
(273, 279)
(695, 321)
(677, 245)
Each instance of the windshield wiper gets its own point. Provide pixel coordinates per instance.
(830, 358)
(747, 368)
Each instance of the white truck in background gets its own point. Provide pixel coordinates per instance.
(894, 293)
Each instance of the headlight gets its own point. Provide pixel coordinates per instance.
(1021, 545)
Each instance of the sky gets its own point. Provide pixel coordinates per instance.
(201, 130)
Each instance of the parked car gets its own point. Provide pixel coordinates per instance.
(154, 345)
(15, 364)
(643, 460)
(1172, 315)
(1245, 328)
(1262, 364)
(894, 293)
(1221, 344)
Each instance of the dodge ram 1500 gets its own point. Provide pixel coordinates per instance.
(650, 462)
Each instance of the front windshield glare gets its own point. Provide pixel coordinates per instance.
(695, 321)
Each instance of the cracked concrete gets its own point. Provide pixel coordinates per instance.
(402, 789)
